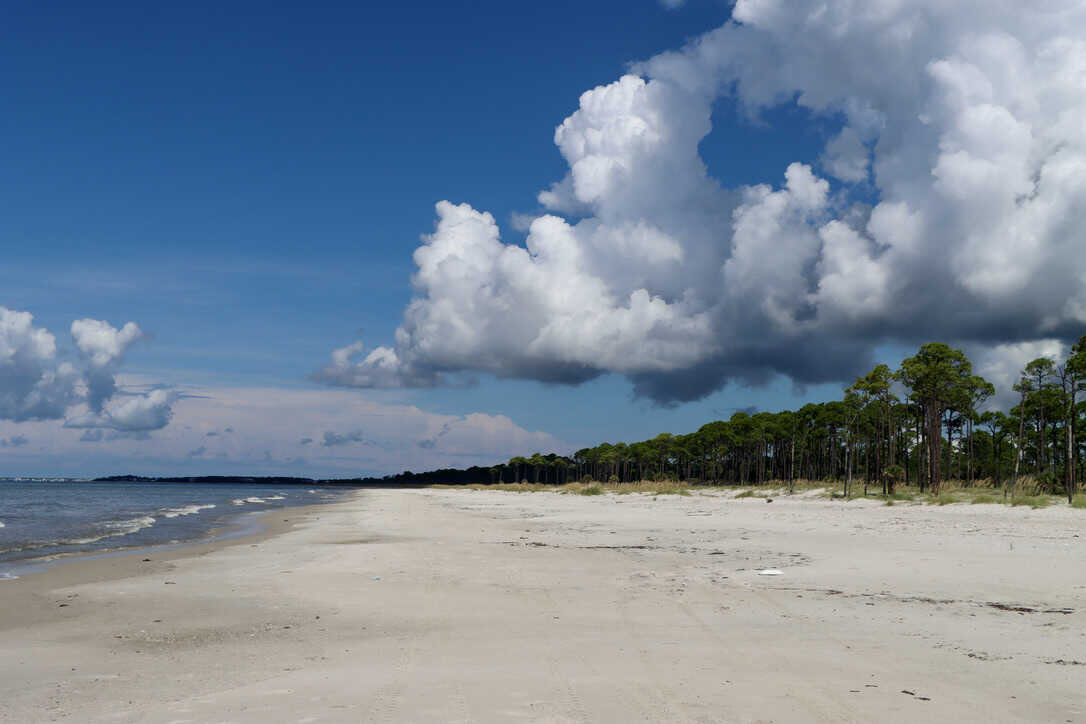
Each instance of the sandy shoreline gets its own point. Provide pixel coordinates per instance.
(454, 605)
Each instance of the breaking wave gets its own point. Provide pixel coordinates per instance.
(243, 501)
(186, 510)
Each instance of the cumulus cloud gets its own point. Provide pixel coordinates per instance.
(33, 385)
(13, 441)
(138, 413)
(958, 193)
(1002, 365)
(102, 347)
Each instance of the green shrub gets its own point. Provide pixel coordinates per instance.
(1033, 501)
(944, 499)
(592, 489)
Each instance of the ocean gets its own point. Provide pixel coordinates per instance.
(41, 520)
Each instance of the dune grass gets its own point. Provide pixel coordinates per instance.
(982, 492)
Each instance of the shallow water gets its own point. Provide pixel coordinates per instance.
(46, 519)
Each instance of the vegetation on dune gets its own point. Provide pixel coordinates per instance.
(920, 427)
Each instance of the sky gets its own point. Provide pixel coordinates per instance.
(328, 241)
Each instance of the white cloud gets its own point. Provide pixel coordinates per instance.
(967, 121)
(278, 431)
(1002, 365)
(102, 346)
(102, 343)
(33, 385)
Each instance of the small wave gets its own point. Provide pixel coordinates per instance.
(114, 528)
(278, 497)
(5, 576)
(243, 501)
(111, 529)
(311, 491)
(124, 527)
(186, 510)
(1, 524)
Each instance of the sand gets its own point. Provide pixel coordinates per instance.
(484, 606)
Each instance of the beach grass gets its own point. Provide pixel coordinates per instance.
(981, 492)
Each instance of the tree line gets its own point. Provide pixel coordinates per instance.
(921, 424)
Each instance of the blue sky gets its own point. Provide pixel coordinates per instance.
(248, 183)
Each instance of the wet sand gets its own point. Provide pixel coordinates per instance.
(484, 606)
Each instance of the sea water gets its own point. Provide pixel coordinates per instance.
(41, 520)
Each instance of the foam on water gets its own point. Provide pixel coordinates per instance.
(243, 501)
(114, 528)
(186, 510)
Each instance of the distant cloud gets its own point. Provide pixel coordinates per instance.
(14, 441)
(137, 413)
(276, 420)
(198, 452)
(34, 385)
(127, 435)
(306, 441)
(672, 4)
(332, 439)
(958, 155)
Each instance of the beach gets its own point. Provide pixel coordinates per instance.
(443, 605)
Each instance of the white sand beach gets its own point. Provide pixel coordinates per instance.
(487, 606)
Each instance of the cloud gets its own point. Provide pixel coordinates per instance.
(102, 346)
(138, 413)
(101, 343)
(948, 204)
(1002, 365)
(276, 420)
(33, 385)
(306, 441)
(332, 439)
(672, 4)
(13, 441)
